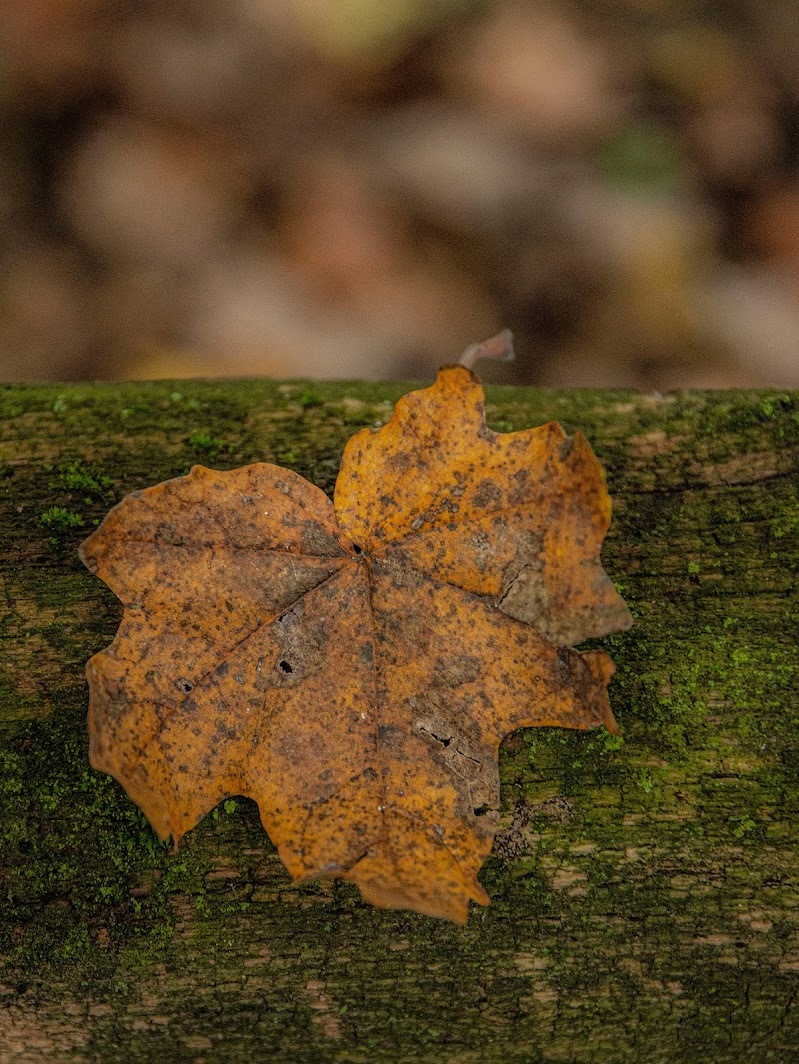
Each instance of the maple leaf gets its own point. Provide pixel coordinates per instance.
(354, 666)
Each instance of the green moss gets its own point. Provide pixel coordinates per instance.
(78, 856)
(90, 481)
(309, 398)
(785, 521)
(59, 519)
(645, 781)
(65, 400)
(209, 445)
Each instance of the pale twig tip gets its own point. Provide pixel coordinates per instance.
(499, 348)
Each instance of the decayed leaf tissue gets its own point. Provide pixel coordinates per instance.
(353, 666)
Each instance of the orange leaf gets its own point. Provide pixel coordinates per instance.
(353, 666)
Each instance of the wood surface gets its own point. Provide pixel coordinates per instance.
(644, 888)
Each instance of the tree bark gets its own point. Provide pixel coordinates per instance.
(644, 887)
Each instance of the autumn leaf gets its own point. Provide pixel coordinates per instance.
(354, 666)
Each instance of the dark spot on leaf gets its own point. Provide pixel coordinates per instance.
(566, 447)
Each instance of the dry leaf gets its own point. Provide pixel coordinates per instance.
(353, 666)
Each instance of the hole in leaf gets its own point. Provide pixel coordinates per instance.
(185, 686)
(481, 810)
(357, 549)
(284, 665)
(438, 738)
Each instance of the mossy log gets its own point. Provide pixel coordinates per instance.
(645, 887)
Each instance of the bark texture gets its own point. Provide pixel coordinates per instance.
(644, 886)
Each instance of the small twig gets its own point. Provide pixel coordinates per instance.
(499, 348)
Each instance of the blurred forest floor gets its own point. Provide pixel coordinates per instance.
(362, 188)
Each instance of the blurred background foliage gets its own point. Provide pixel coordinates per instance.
(361, 188)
